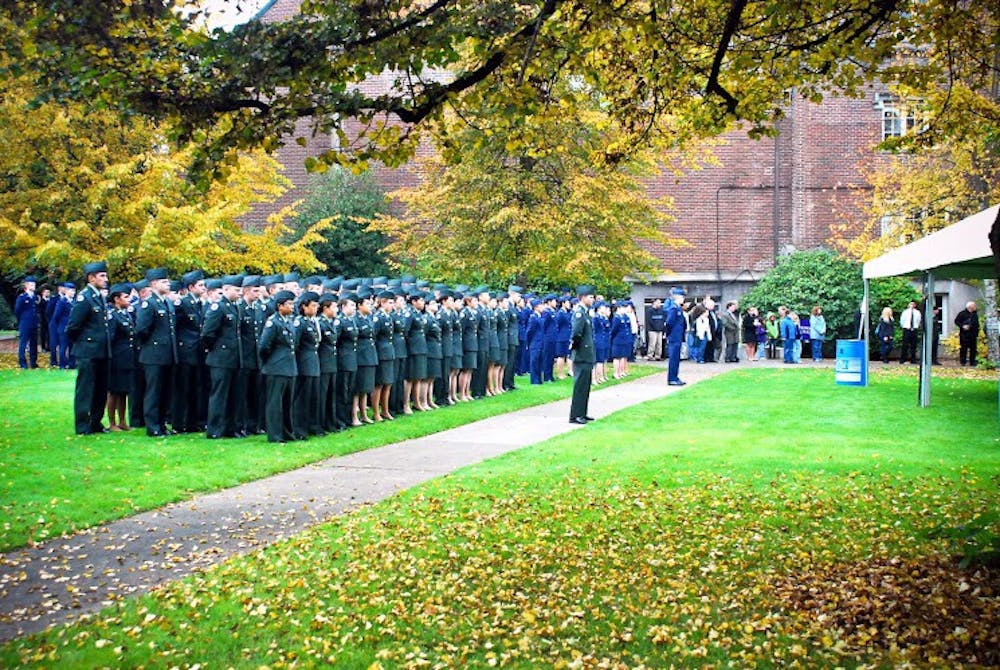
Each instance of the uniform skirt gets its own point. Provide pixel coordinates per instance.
(385, 372)
(120, 381)
(621, 349)
(495, 354)
(416, 366)
(434, 367)
(470, 360)
(562, 349)
(601, 353)
(364, 380)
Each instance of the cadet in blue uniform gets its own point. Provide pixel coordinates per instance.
(87, 331)
(190, 358)
(220, 335)
(582, 345)
(535, 344)
(121, 330)
(622, 341)
(60, 319)
(26, 312)
(548, 315)
(155, 327)
(307, 413)
(563, 326)
(675, 327)
(602, 341)
(277, 357)
(49, 320)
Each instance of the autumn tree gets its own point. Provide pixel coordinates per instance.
(83, 184)
(345, 202)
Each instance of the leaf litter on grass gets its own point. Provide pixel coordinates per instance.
(583, 571)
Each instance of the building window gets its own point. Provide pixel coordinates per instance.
(899, 117)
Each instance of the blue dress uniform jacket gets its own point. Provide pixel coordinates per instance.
(675, 326)
(26, 311)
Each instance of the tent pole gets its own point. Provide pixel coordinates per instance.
(863, 326)
(927, 353)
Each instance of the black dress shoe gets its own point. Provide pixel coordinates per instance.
(579, 421)
(676, 383)
(214, 437)
(155, 433)
(589, 418)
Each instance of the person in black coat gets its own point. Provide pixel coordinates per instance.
(885, 333)
(968, 334)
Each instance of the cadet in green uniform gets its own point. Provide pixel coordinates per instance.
(452, 306)
(364, 380)
(470, 346)
(121, 330)
(87, 331)
(435, 351)
(220, 336)
(385, 373)
(249, 384)
(329, 329)
(512, 338)
(481, 372)
(399, 349)
(190, 357)
(135, 410)
(416, 348)
(442, 389)
(347, 360)
(277, 356)
(493, 362)
(582, 344)
(503, 315)
(306, 413)
(155, 327)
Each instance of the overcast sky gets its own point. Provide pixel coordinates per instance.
(228, 13)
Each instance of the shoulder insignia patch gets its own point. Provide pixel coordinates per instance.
(130, 308)
(177, 303)
(79, 298)
(336, 322)
(145, 304)
(214, 306)
(579, 315)
(295, 323)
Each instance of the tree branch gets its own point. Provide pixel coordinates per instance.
(712, 86)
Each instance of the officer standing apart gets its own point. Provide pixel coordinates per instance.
(26, 311)
(675, 327)
(156, 327)
(87, 331)
(582, 343)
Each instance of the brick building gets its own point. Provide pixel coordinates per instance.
(766, 197)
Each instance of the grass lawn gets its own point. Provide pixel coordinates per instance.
(763, 518)
(53, 481)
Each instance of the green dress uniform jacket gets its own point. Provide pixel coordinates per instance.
(329, 333)
(189, 321)
(277, 347)
(470, 330)
(87, 331)
(382, 323)
(307, 354)
(416, 333)
(221, 335)
(252, 320)
(307, 412)
(433, 336)
(447, 340)
(347, 344)
(156, 328)
(367, 354)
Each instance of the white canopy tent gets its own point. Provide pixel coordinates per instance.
(960, 251)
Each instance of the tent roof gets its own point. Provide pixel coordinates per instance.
(960, 251)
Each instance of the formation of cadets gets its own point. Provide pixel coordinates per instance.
(291, 357)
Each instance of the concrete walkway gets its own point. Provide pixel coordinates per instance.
(66, 577)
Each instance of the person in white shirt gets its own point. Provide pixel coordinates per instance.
(909, 321)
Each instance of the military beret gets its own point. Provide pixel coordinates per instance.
(29, 278)
(192, 277)
(349, 297)
(548, 297)
(156, 273)
(95, 267)
(440, 287)
(350, 284)
(308, 297)
(408, 279)
(120, 288)
(677, 290)
(514, 288)
(176, 285)
(336, 283)
(312, 281)
(326, 299)
(394, 283)
(328, 285)
(250, 281)
(270, 280)
(380, 281)
(415, 295)
(422, 284)
(70, 284)
(446, 293)
(462, 288)
(584, 290)
(213, 284)
(482, 288)
(364, 293)
(459, 295)
(535, 302)
(141, 284)
(290, 277)
(283, 297)
(385, 295)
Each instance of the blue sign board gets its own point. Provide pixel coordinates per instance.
(852, 365)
